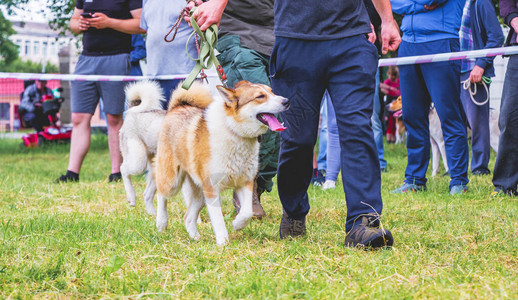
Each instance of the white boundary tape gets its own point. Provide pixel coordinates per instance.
(399, 61)
(423, 59)
(74, 77)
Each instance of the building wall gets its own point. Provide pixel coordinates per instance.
(38, 42)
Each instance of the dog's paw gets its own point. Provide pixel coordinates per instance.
(240, 223)
(161, 225)
(132, 201)
(151, 210)
(222, 241)
(195, 236)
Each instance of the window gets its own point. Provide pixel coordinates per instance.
(44, 48)
(36, 48)
(27, 47)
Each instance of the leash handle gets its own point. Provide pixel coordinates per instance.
(206, 57)
(466, 84)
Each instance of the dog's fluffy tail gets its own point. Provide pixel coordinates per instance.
(198, 96)
(144, 95)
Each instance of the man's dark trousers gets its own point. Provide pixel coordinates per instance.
(302, 70)
(478, 121)
(420, 85)
(505, 175)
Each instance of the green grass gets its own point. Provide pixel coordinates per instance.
(83, 241)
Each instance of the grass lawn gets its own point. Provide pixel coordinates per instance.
(81, 240)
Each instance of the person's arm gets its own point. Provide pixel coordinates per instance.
(495, 38)
(207, 13)
(390, 37)
(130, 26)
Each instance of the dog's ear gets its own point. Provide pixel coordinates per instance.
(240, 83)
(229, 95)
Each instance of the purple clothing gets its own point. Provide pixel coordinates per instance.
(508, 10)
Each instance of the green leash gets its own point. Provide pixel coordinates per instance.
(206, 57)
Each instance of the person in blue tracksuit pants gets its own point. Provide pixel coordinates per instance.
(318, 48)
(431, 27)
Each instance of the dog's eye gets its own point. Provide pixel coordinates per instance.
(262, 96)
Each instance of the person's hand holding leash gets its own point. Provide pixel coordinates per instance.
(476, 75)
(208, 13)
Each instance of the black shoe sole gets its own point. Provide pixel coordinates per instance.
(379, 242)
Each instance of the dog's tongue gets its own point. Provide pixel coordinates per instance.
(272, 122)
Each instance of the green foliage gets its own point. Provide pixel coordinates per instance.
(58, 240)
(60, 12)
(8, 50)
(19, 66)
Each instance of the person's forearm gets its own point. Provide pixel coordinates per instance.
(129, 26)
(384, 9)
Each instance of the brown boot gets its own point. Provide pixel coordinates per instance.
(235, 201)
(256, 203)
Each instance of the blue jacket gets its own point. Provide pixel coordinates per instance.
(485, 31)
(420, 25)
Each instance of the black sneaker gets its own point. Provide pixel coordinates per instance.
(290, 227)
(115, 177)
(319, 178)
(68, 177)
(366, 233)
(500, 191)
(314, 177)
(481, 172)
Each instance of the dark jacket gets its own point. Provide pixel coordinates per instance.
(485, 31)
(509, 11)
(31, 96)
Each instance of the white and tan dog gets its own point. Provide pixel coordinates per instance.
(207, 145)
(437, 142)
(139, 137)
(396, 107)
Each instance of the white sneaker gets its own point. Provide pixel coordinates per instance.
(329, 184)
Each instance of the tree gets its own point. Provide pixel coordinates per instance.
(8, 50)
(59, 16)
(28, 66)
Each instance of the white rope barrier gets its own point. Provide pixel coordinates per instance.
(423, 59)
(74, 77)
(399, 61)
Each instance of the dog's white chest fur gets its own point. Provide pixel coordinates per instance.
(234, 159)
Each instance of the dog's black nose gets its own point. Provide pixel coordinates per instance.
(285, 102)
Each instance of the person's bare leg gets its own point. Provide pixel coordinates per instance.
(80, 140)
(114, 125)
